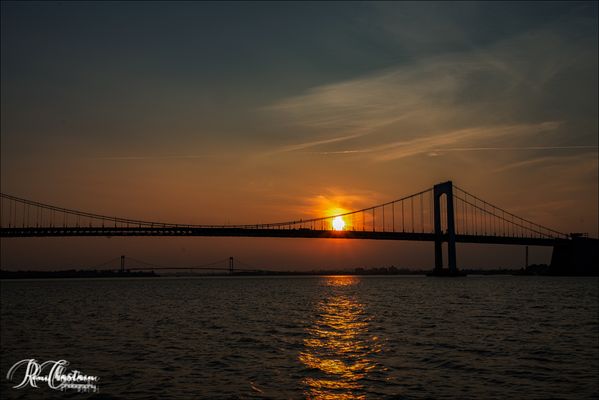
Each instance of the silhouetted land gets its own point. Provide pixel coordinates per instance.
(72, 273)
(534, 269)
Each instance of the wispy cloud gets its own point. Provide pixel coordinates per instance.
(518, 148)
(572, 160)
(433, 145)
(482, 100)
(425, 145)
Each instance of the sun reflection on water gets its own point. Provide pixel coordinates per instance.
(338, 348)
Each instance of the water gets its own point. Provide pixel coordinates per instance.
(309, 337)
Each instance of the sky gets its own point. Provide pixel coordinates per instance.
(251, 112)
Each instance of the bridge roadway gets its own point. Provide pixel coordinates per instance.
(266, 232)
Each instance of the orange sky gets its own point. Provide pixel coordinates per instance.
(277, 119)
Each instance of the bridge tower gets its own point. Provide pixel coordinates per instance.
(445, 188)
(231, 265)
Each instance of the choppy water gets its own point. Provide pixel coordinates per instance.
(309, 337)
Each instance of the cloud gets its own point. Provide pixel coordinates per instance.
(518, 148)
(571, 162)
(433, 145)
(515, 95)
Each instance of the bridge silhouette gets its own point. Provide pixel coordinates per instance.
(442, 214)
(223, 265)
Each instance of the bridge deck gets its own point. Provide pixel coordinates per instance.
(256, 232)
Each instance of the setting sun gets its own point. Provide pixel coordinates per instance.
(338, 223)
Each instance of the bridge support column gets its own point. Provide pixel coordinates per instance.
(578, 256)
(445, 188)
(231, 266)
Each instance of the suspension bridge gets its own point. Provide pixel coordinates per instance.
(443, 214)
(229, 265)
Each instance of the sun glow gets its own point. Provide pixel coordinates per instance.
(338, 223)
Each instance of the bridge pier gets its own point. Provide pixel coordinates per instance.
(445, 188)
(578, 256)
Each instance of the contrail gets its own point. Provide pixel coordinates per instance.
(152, 157)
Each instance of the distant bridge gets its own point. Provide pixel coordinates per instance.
(444, 213)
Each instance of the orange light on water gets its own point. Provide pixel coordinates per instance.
(338, 345)
(341, 280)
